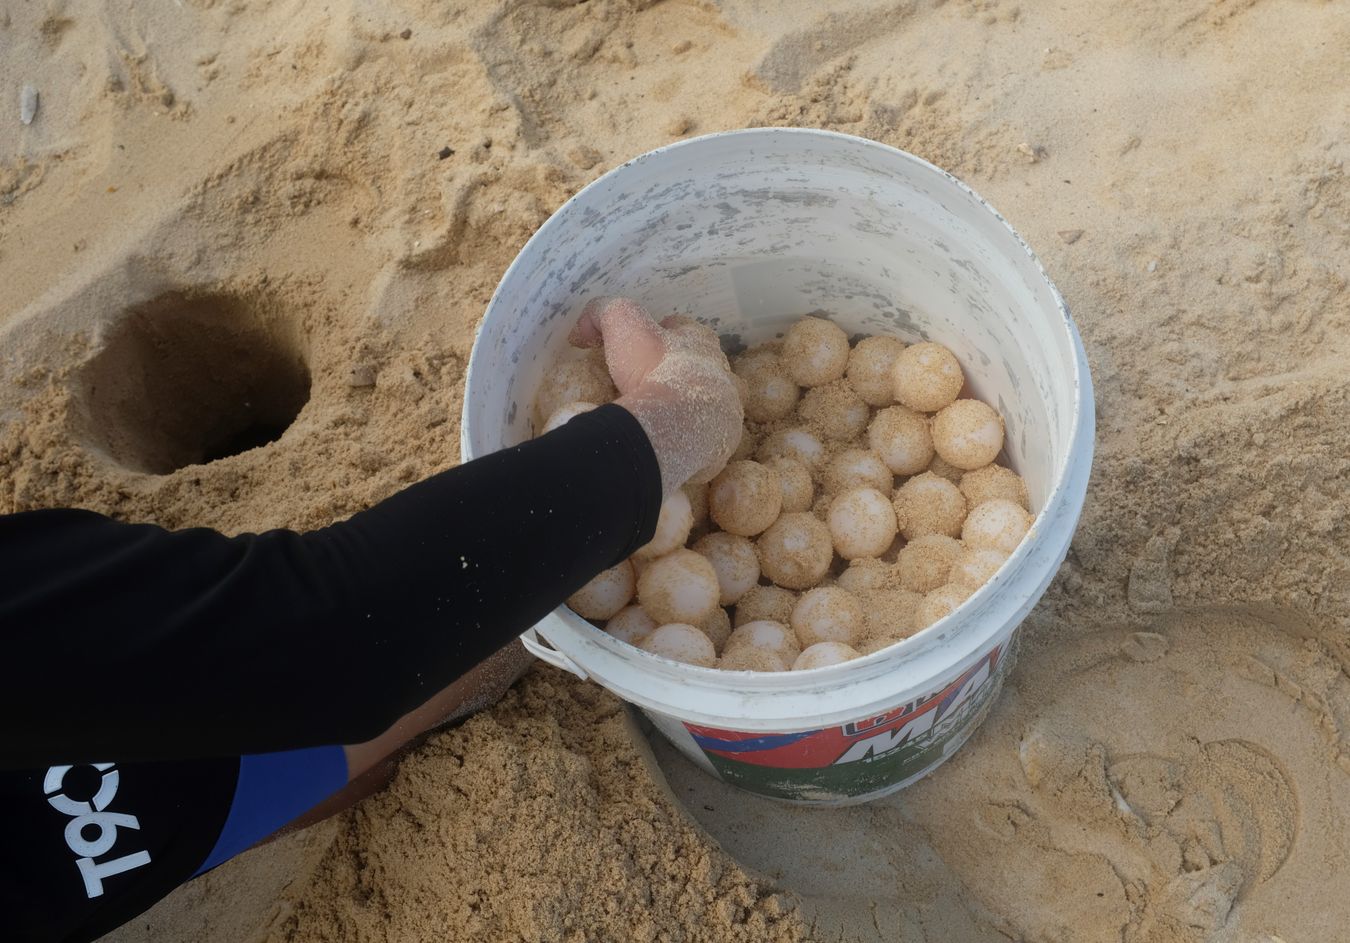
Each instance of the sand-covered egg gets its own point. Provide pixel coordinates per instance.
(697, 493)
(994, 481)
(940, 603)
(631, 624)
(815, 351)
(772, 636)
(834, 411)
(735, 562)
(901, 438)
(681, 642)
(870, 367)
(927, 377)
(976, 566)
(565, 414)
(798, 489)
(745, 498)
(798, 444)
(771, 603)
(717, 627)
(767, 391)
(926, 562)
(573, 381)
(679, 587)
(749, 658)
(999, 524)
(968, 434)
(857, 468)
(828, 614)
(796, 551)
(862, 523)
(891, 613)
(606, 594)
(823, 655)
(672, 526)
(865, 575)
(944, 469)
(927, 504)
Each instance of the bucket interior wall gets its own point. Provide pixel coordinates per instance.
(749, 243)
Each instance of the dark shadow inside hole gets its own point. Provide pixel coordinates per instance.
(186, 379)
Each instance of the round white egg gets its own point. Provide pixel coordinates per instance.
(672, 527)
(681, 642)
(823, 655)
(862, 523)
(604, 595)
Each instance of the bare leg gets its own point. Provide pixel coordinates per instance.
(371, 765)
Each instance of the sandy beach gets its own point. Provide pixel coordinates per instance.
(329, 194)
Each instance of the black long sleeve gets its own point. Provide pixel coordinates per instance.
(131, 641)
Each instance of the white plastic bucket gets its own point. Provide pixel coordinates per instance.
(749, 230)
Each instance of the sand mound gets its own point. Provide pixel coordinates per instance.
(339, 188)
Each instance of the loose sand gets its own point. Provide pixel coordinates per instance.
(335, 189)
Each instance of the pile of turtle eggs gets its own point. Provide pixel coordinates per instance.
(863, 504)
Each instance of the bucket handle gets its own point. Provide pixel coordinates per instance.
(536, 647)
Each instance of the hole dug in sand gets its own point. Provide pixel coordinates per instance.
(185, 379)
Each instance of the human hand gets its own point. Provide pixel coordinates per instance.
(674, 379)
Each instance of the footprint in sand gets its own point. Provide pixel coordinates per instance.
(1188, 783)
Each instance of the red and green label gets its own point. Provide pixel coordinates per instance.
(860, 757)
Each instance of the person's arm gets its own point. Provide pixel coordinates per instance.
(129, 641)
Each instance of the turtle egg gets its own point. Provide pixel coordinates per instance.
(797, 444)
(927, 504)
(679, 587)
(745, 448)
(717, 627)
(573, 381)
(796, 551)
(828, 614)
(735, 562)
(749, 658)
(698, 501)
(564, 414)
(865, 575)
(604, 595)
(767, 392)
(994, 481)
(835, 411)
(927, 377)
(795, 478)
(975, 567)
(869, 369)
(772, 636)
(857, 468)
(925, 563)
(944, 469)
(631, 624)
(745, 498)
(862, 523)
(771, 603)
(823, 655)
(968, 433)
(815, 351)
(901, 438)
(940, 603)
(996, 525)
(681, 642)
(672, 527)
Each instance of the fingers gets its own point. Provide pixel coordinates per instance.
(586, 332)
(634, 343)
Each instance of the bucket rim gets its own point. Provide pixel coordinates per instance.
(972, 622)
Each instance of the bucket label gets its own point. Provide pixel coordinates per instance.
(862, 756)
